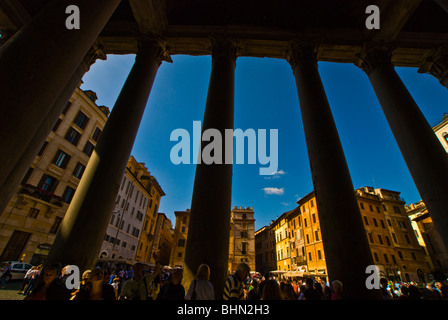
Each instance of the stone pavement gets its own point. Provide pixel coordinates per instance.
(10, 292)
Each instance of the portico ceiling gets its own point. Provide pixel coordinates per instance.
(263, 28)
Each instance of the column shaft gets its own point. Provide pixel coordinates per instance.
(423, 153)
(208, 234)
(347, 253)
(82, 230)
(34, 66)
(13, 179)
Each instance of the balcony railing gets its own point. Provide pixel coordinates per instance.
(41, 194)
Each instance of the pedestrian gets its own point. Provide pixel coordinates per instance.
(201, 288)
(140, 286)
(404, 293)
(115, 284)
(34, 275)
(444, 291)
(414, 293)
(233, 287)
(310, 292)
(386, 294)
(288, 291)
(254, 293)
(96, 288)
(48, 287)
(26, 280)
(6, 275)
(173, 290)
(272, 291)
(338, 292)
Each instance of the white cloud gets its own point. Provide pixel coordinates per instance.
(276, 174)
(277, 191)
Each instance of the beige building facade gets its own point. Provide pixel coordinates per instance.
(29, 224)
(242, 237)
(134, 216)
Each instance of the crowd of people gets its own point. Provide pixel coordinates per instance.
(141, 282)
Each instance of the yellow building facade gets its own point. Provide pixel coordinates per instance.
(393, 244)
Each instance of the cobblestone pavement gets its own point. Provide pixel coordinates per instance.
(10, 292)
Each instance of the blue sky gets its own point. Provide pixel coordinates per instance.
(266, 98)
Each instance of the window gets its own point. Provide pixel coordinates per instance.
(394, 237)
(68, 194)
(69, 104)
(397, 209)
(42, 148)
(380, 239)
(56, 125)
(56, 224)
(375, 255)
(81, 120)
(27, 176)
(361, 205)
(72, 136)
(61, 159)
(48, 183)
(407, 239)
(375, 222)
(371, 207)
(402, 224)
(79, 170)
(96, 134)
(445, 136)
(88, 148)
(181, 243)
(139, 216)
(366, 222)
(33, 213)
(386, 258)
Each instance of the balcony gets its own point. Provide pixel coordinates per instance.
(40, 194)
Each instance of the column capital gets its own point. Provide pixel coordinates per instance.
(94, 53)
(437, 65)
(154, 47)
(299, 50)
(224, 46)
(373, 56)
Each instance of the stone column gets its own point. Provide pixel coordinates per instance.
(83, 228)
(208, 233)
(347, 252)
(437, 66)
(36, 63)
(423, 153)
(26, 159)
